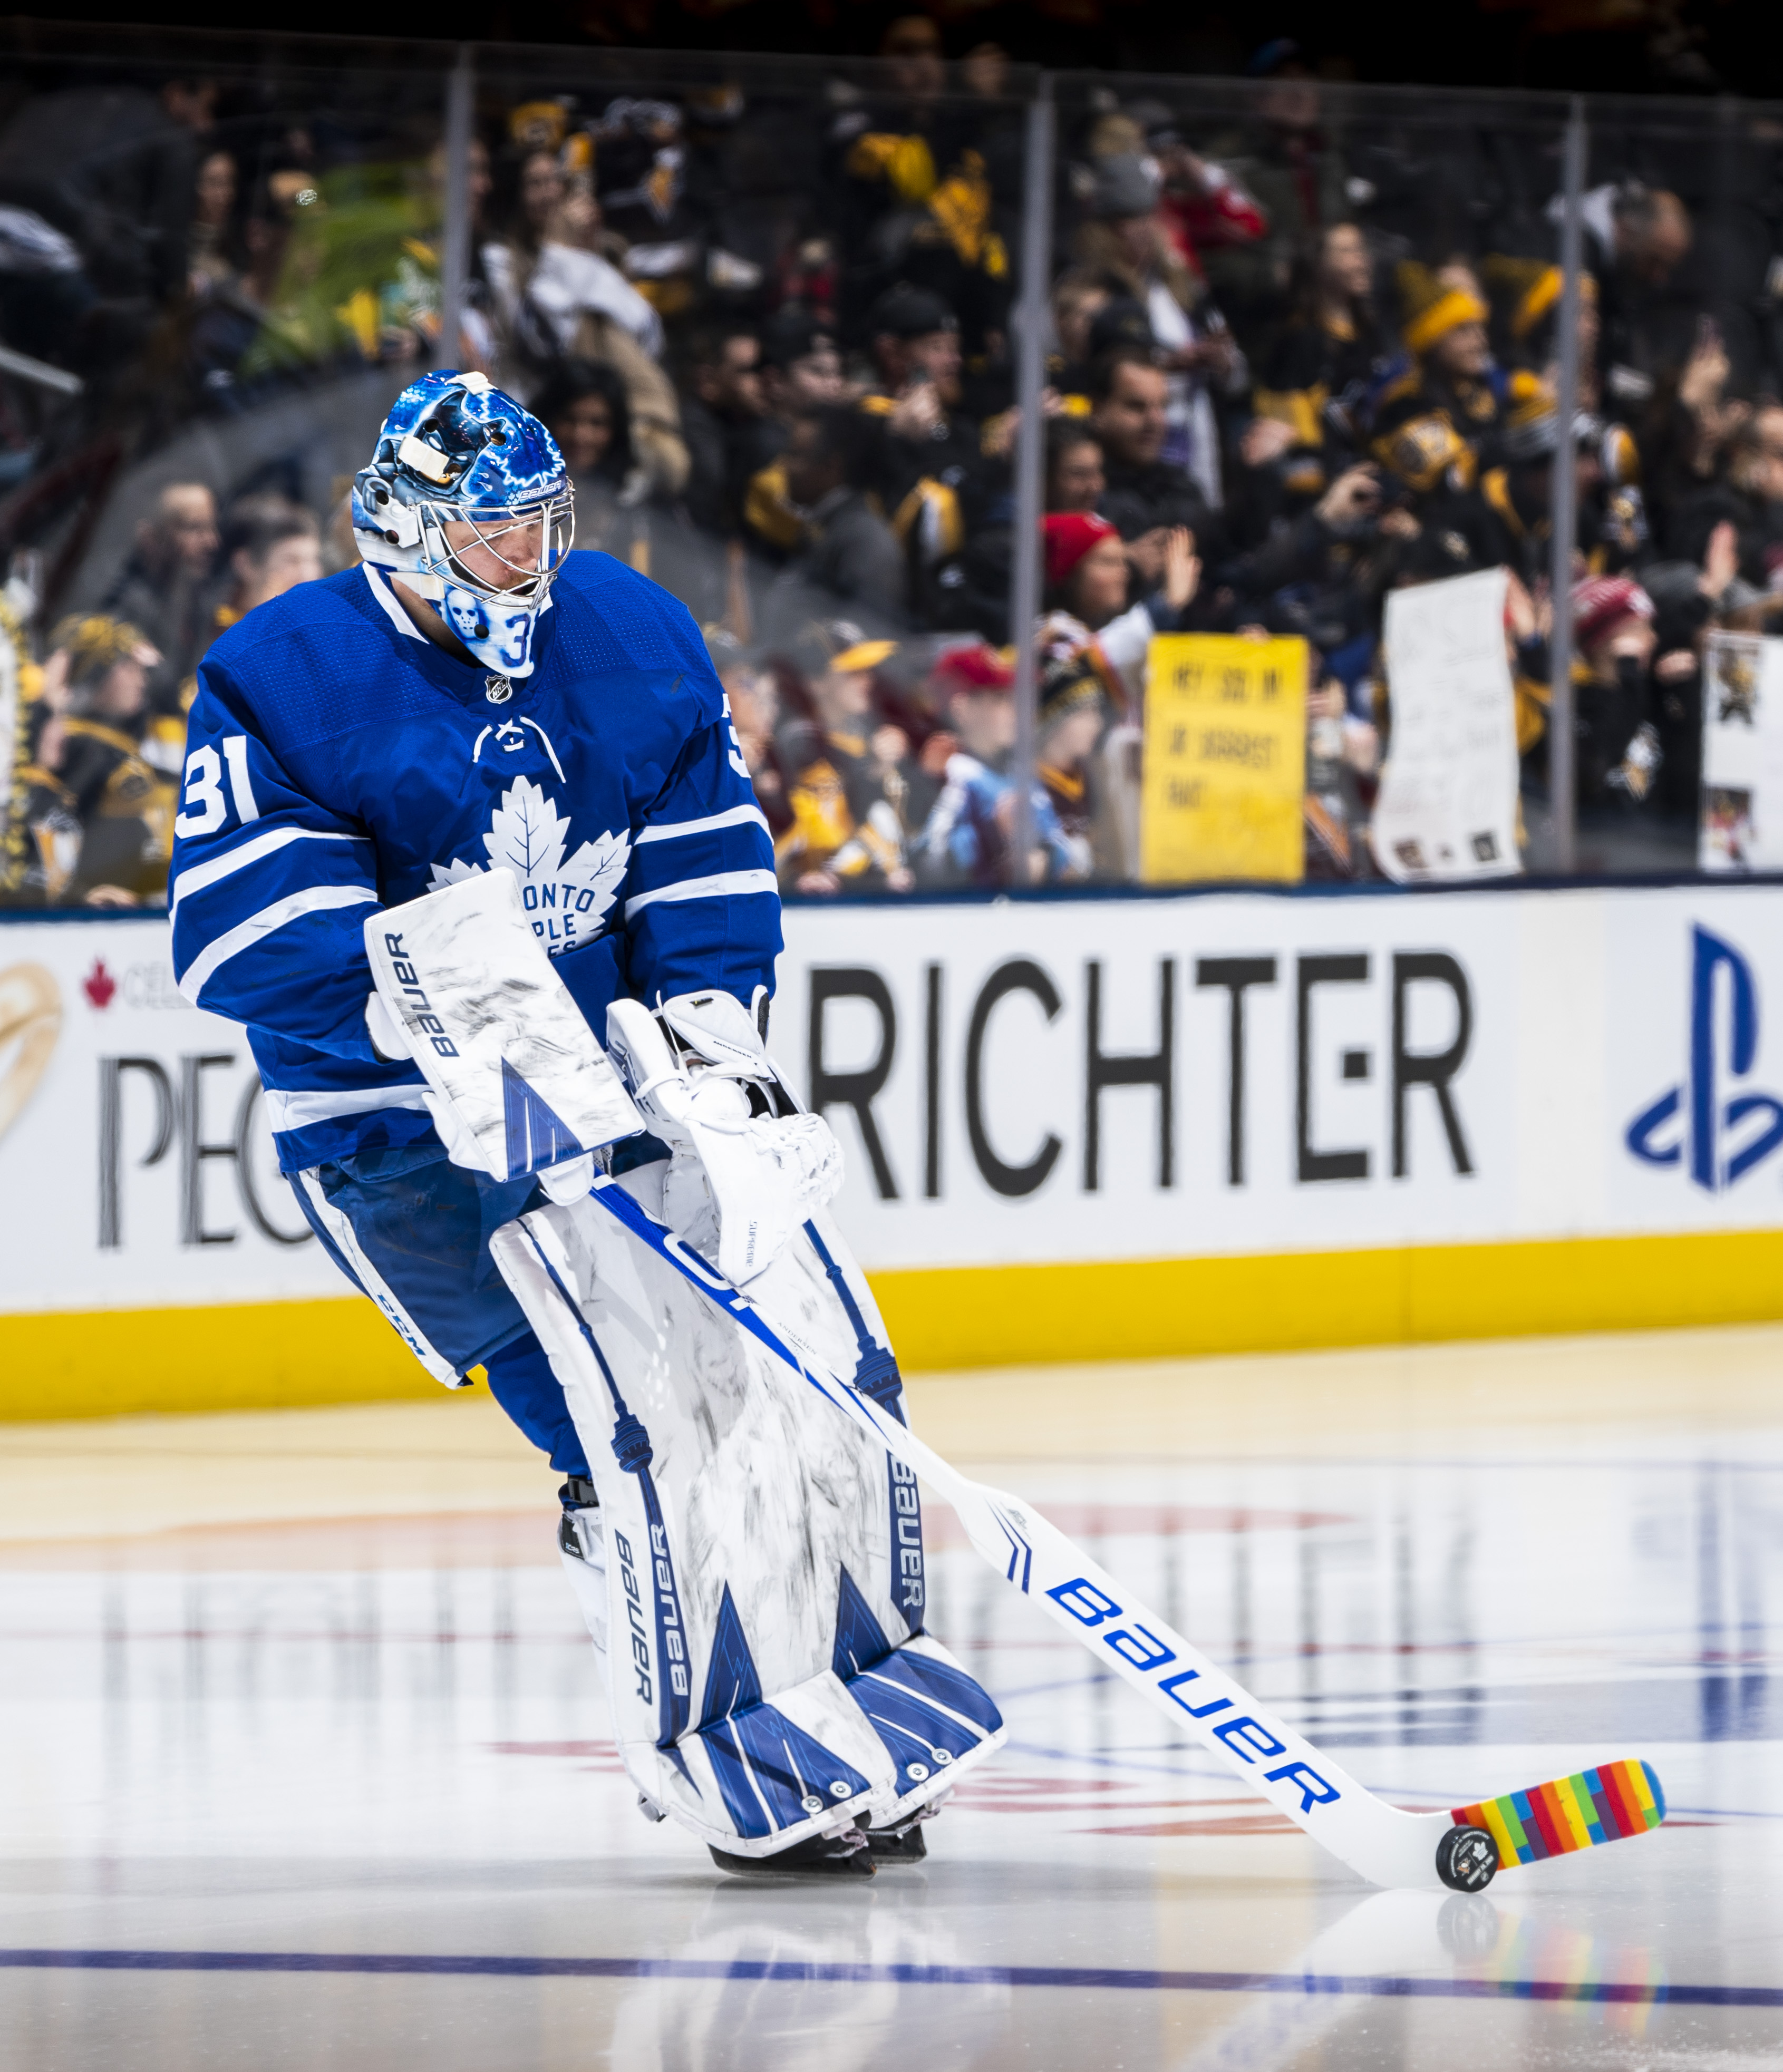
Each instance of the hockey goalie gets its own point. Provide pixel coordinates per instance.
(467, 843)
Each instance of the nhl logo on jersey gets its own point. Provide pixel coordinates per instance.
(566, 897)
(497, 690)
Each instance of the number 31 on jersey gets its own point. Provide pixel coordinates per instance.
(205, 809)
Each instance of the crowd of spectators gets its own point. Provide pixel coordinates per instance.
(100, 722)
(1296, 359)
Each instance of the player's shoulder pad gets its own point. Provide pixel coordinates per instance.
(606, 606)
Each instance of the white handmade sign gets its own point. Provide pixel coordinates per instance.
(1447, 806)
(1742, 812)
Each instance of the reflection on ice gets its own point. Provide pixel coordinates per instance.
(1399, 1944)
(664, 2025)
(384, 1742)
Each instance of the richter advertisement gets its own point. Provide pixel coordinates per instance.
(1032, 1081)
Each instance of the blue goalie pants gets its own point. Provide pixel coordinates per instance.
(411, 1231)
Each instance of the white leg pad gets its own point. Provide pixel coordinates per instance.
(765, 1586)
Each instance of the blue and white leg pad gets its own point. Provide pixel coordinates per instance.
(769, 1675)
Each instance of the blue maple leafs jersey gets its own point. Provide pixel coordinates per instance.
(337, 761)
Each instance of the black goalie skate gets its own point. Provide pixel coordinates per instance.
(843, 1856)
(901, 1844)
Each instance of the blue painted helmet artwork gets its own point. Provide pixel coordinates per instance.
(456, 451)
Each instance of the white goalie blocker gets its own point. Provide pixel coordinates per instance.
(765, 1573)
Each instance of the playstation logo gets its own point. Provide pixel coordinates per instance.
(1700, 1122)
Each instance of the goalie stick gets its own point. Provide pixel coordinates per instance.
(451, 966)
(1462, 1848)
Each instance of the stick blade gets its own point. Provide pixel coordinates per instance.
(1610, 1804)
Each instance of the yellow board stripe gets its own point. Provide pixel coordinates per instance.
(250, 1356)
(996, 1316)
(263, 1355)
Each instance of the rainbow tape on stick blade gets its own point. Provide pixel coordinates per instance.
(1607, 1804)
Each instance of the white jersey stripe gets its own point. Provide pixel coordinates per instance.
(220, 867)
(314, 899)
(722, 885)
(297, 1110)
(341, 1229)
(735, 816)
(386, 596)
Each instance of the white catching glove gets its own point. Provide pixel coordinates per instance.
(747, 1167)
(568, 1182)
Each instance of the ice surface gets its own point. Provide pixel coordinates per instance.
(349, 1735)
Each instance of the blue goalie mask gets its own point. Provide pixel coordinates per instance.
(455, 452)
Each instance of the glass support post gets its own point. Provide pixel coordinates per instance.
(456, 231)
(1024, 593)
(1561, 785)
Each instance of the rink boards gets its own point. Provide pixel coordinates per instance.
(1074, 1128)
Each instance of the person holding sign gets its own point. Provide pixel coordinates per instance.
(1619, 757)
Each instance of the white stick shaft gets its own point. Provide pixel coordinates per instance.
(1379, 1841)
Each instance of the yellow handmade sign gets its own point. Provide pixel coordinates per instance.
(1225, 730)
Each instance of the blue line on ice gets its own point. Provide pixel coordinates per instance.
(792, 1972)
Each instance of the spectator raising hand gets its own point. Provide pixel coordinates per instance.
(1182, 572)
(1352, 499)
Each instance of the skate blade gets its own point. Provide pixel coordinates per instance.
(909, 1847)
(857, 1863)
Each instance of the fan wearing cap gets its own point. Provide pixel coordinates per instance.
(968, 836)
(1277, 147)
(1430, 418)
(1525, 296)
(1614, 638)
(1519, 491)
(851, 783)
(1087, 575)
(801, 367)
(97, 676)
(724, 422)
(473, 698)
(1072, 713)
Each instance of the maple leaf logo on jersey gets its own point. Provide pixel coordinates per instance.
(568, 900)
